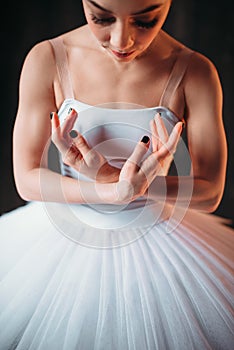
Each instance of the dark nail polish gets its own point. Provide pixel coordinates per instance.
(183, 124)
(73, 134)
(51, 115)
(145, 139)
(70, 109)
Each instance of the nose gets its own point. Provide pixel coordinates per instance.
(121, 36)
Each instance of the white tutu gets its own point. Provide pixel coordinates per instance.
(164, 290)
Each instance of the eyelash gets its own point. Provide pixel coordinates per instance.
(146, 25)
(140, 24)
(102, 21)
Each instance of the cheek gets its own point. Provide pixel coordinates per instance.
(99, 32)
(146, 38)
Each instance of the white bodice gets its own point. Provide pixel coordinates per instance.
(114, 129)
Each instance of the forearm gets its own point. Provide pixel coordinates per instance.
(42, 184)
(186, 191)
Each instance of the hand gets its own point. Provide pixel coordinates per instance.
(137, 175)
(76, 152)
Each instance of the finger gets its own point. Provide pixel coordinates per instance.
(54, 121)
(72, 157)
(79, 141)
(161, 129)
(56, 133)
(170, 146)
(69, 122)
(151, 164)
(139, 151)
(55, 125)
(155, 137)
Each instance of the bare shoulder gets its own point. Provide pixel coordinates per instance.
(39, 62)
(37, 80)
(201, 73)
(200, 68)
(202, 91)
(40, 53)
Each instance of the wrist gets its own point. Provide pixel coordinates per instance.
(106, 192)
(117, 193)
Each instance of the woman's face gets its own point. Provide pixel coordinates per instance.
(126, 28)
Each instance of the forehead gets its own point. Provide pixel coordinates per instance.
(126, 6)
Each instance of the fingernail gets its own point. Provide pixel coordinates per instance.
(70, 109)
(73, 134)
(145, 139)
(183, 124)
(51, 115)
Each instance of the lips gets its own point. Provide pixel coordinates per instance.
(122, 54)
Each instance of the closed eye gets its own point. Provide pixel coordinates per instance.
(109, 20)
(146, 25)
(103, 21)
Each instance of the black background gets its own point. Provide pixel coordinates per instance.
(203, 25)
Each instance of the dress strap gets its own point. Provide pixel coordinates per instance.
(176, 76)
(62, 67)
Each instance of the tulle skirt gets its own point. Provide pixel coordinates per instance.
(159, 288)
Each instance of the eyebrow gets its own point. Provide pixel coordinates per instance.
(146, 10)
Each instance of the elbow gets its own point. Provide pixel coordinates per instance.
(210, 207)
(23, 193)
(25, 187)
(27, 182)
(208, 194)
(212, 201)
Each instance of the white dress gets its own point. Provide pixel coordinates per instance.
(98, 277)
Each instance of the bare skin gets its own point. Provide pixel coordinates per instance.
(130, 64)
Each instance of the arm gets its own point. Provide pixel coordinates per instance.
(206, 142)
(31, 138)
